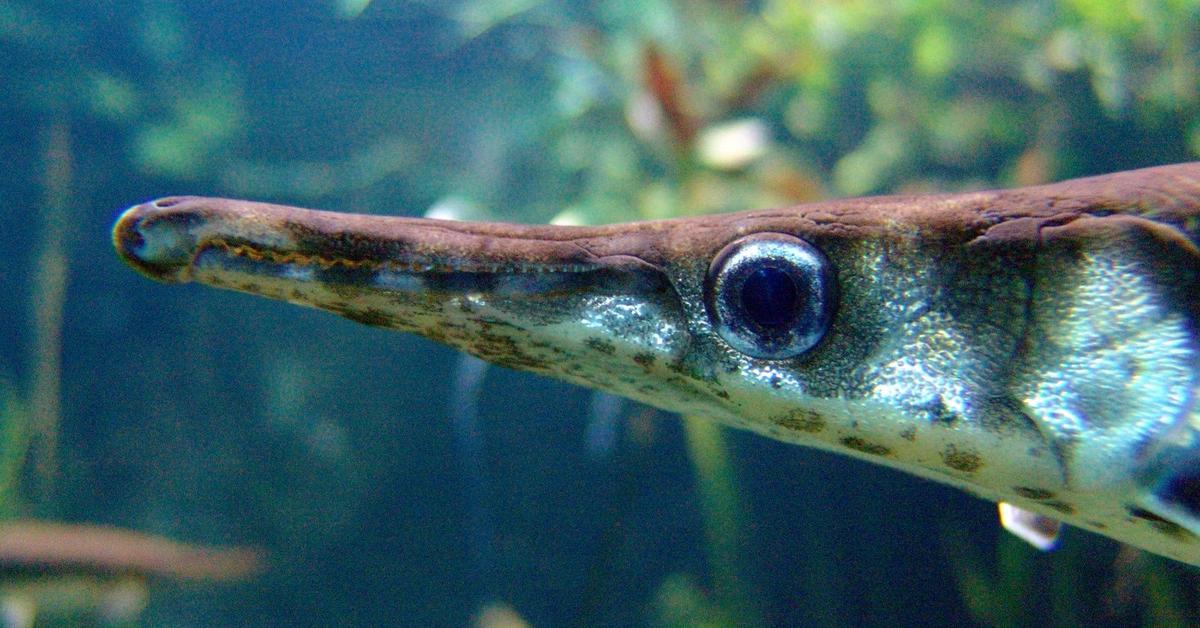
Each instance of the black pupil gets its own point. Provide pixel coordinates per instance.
(770, 297)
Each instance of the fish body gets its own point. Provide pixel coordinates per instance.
(1038, 347)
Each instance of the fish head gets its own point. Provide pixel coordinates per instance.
(1035, 346)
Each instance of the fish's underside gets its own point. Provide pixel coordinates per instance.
(1038, 347)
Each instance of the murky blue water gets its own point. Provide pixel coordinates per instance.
(352, 455)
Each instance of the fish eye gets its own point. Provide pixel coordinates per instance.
(771, 295)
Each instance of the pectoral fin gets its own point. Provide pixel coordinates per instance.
(1039, 531)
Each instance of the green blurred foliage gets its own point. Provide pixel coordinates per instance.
(177, 135)
(857, 97)
(868, 97)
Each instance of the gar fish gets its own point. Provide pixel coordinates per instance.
(1038, 347)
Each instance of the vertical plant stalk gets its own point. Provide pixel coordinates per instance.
(14, 449)
(48, 297)
(722, 512)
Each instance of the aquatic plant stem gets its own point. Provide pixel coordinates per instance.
(722, 512)
(48, 298)
(14, 449)
(479, 521)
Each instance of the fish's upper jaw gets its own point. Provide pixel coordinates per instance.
(157, 241)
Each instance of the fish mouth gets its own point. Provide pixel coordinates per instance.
(543, 298)
(156, 241)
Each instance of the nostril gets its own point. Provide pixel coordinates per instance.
(164, 203)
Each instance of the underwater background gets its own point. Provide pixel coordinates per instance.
(387, 480)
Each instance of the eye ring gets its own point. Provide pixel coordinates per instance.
(771, 295)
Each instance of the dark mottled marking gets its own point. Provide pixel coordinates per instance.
(685, 386)
(875, 449)
(377, 318)
(545, 347)
(909, 434)
(489, 322)
(689, 370)
(965, 461)
(490, 329)
(505, 343)
(345, 246)
(369, 316)
(1033, 493)
(1060, 506)
(644, 360)
(601, 345)
(1170, 528)
(521, 362)
(1099, 525)
(504, 351)
(776, 381)
(501, 350)
(721, 393)
(801, 421)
